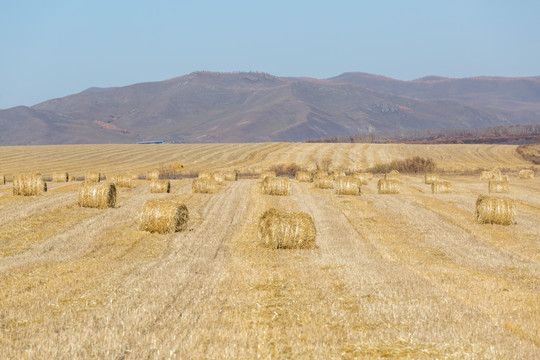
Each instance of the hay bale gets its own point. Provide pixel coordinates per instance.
(385, 186)
(92, 177)
(134, 177)
(230, 175)
(219, 177)
(2, 180)
(286, 230)
(347, 185)
(392, 175)
(304, 176)
(523, 174)
(160, 186)
(97, 195)
(493, 174)
(163, 216)
(121, 180)
(276, 186)
(60, 177)
(206, 174)
(29, 184)
(441, 187)
(338, 173)
(266, 174)
(152, 175)
(370, 175)
(495, 210)
(431, 178)
(496, 186)
(324, 182)
(204, 186)
(363, 177)
(72, 178)
(320, 173)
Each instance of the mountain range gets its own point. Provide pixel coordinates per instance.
(254, 107)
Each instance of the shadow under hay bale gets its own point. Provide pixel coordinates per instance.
(523, 174)
(60, 177)
(160, 186)
(266, 174)
(363, 177)
(164, 216)
(29, 184)
(495, 186)
(152, 175)
(231, 175)
(97, 195)
(347, 185)
(495, 210)
(385, 186)
(324, 181)
(304, 176)
(121, 180)
(431, 178)
(286, 230)
(441, 187)
(276, 186)
(92, 177)
(204, 186)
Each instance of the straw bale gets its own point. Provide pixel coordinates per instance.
(370, 175)
(286, 230)
(493, 174)
(347, 185)
(72, 178)
(324, 181)
(29, 184)
(121, 180)
(204, 186)
(441, 187)
(363, 177)
(392, 175)
(276, 186)
(266, 174)
(338, 173)
(152, 175)
(164, 216)
(523, 174)
(385, 186)
(304, 176)
(97, 195)
(206, 174)
(2, 180)
(134, 177)
(160, 186)
(495, 210)
(219, 177)
(231, 175)
(496, 186)
(431, 178)
(92, 176)
(60, 177)
(320, 173)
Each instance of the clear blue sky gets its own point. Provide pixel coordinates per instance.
(55, 48)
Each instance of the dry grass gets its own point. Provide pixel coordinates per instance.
(385, 186)
(276, 186)
(160, 186)
(280, 229)
(523, 174)
(304, 176)
(97, 195)
(60, 177)
(496, 186)
(163, 216)
(441, 187)
(495, 210)
(347, 185)
(338, 173)
(204, 186)
(29, 184)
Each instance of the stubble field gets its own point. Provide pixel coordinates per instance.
(393, 276)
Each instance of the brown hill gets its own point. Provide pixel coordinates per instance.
(238, 107)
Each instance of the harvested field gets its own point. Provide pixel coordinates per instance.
(412, 276)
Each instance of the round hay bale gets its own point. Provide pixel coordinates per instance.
(121, 180)
(392, 175)
(266, 174)
(152, 175)
(72, 178)
(320, 173)
(134, 177)
(97, 195)
(286, 230)
(441, 187)
(2, 180)
(231, 175)
(363, 177)
(347, 185)
(163, 216)
(160, 186)
(304, 176)
(431, 178)
(29, 184)
(206, 175)
(496, 186)
(523, 174)
(370, 175)
(495, 210)
(385, 186)
(60, 177)
(338, 173)
(219, 177)
(324, 181)
(204, 186)
(493, 174)
(276, 186)
(92, 177)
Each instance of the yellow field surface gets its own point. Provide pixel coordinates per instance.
(393, 276)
